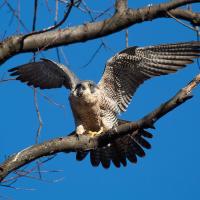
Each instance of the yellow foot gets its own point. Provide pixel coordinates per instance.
(95, 133)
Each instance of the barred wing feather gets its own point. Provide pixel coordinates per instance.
(128, 69)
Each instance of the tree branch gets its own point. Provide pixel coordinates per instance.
(188, 15)
(73, 143)
(120, 5)
(120, 20)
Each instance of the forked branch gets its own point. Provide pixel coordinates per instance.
(123, 17)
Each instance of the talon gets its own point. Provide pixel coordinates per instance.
(95, 133)
(77, 136)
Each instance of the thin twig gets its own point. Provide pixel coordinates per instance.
(55, 22)
(49, 28)
(194, 28)
(38, 115)
(180, 21)
(104, 12)
(2, 4)
(93, 55)
(90, 12)
(50, 100)
(64, 56)
(198, 36)
(56, 25)
(126, 31)
(44, 171)
(35, 91)
(24, 173)
(17, 188)
(35, 15)
(16, 15)
(6, 80)
(39, 179)
(48, 7)
(34, 20)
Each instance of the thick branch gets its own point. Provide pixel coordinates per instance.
(82, 33)
(84, 142)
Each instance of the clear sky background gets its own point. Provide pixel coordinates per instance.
(170, 169)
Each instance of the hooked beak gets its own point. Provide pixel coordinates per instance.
(79, 92)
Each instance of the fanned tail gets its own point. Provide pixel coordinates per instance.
(128, 147)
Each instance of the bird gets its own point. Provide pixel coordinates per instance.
(96, 107)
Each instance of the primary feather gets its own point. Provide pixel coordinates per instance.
(128, 69)
(45, 74)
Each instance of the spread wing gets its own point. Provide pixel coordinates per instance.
(128, 69)
(45, 74)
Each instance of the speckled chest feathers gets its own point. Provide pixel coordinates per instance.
(91, 108)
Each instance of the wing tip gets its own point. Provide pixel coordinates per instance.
(14, 69)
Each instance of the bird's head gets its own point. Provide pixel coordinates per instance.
(84, 89)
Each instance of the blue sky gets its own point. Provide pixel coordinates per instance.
(170, 169)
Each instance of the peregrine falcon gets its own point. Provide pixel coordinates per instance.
(96, 107)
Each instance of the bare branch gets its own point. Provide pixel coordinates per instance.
(55, 22)
(23, 172)
(56, 25)
(178, 20)
(2, 4)
(126, 37)
(18, 13)
(18, 188)
(38, 116)
(50, 100)
(121, 5)
(43, 40)
(35, 14)
(188, 15)
(94, 55)
(6, 80)
(15, 13)
(73, 143)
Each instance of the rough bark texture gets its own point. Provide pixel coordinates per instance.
(73, 143)
(122, 18)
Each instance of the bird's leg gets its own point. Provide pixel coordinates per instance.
(95, 133)
(80, 130)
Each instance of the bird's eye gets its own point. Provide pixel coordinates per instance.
(91, 85)
(78, 86)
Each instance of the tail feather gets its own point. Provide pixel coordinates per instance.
(127, 147)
